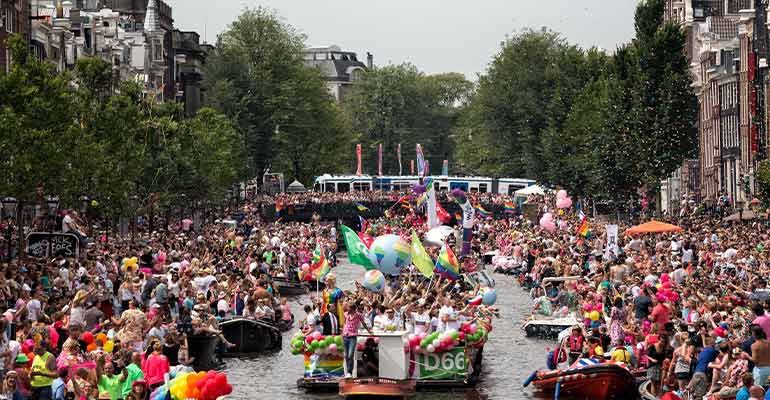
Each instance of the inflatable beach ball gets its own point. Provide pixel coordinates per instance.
(373, 280)
(488, 296)
(390, 253)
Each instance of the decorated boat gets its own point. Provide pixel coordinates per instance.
(439, 361)
(250, 336)
(548, 328)
(586, 379)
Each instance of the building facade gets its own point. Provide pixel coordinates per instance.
(727, 47)
(14, 19)
(340, 69)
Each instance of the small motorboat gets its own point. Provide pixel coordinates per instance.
(250, 336)
(284, 326)
(548, 328)
(288, 287)
(203, 351)
(376, 387)
(587, 379)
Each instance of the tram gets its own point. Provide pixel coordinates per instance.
(473, 184)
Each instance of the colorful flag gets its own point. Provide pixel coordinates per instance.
(420, 160)
(398, 150)
(358, 159)
(368, 240)
(379, 159)
(447, 264)
(421, 199)
(278, 208)
(358, 253)
(320, 266)
(445, 168)
(482, 211)
(361, 207)
(583, 228)
(364, 223)
(459, 217)
(420, 257)
(509, 207)
(442, 214)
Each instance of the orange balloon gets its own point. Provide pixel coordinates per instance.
(91, 347)
(102, 337)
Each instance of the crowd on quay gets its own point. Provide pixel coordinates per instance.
(692, 308)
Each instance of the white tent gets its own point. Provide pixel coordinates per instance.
(530, 190)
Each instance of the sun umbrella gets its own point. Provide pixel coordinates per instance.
(652, 227)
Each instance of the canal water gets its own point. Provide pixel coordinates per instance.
(509, 357)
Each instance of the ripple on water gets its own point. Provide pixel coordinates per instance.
(509, 357)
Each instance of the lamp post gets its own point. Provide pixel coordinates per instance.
(9, 210)
(53, 205)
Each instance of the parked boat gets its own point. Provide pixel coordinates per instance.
(284, 326)
(548, 328)
(288, 287)
(250, 336)
(203, 350)
(587, 379)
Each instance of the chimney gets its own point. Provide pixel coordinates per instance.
(369, 60)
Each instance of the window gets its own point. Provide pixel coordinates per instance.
(343, 187)
(330, 187)
(361, 186)
(157, 46)
(482, 188)
(8, 19)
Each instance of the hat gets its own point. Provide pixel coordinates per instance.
(22, 359)
(139, 382)
(156, 305)
(221, 295)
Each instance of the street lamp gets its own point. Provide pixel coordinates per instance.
(9, 209)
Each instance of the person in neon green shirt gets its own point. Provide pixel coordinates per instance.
(43, 372)
(131, 373)
(107, 381)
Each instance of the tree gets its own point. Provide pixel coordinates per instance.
(398, 104)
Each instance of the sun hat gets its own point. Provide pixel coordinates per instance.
(22, 359)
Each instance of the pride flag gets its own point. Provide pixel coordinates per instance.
(361, 207)
(320, 266)
(420, 257)
(482, 211)
(447, 264)
(509, 207)
(583, 228)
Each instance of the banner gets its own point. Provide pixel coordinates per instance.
(358, 253)
(39, 243)
(451, 364)
(323, 366)
(612, 241)
(445, 168)
(420, 161)
(420, 257)
(398, 150)
(379, 159)
(432, 216)
(358, 159)
(411, 166)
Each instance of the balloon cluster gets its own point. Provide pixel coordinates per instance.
(195, 385)
(435, 342)
(316, 343)
(562, 200)
(130, 265)
(474, 334)
(90, 341)
(665, 292)
(547, 222)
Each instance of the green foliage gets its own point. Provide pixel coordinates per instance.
(79, 134)
(762, 181)
(288, 119)
(399, 104)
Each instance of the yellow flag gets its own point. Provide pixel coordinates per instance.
(420, 257)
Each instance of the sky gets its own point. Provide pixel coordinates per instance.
(435, 35)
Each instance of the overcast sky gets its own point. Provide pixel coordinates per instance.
(435, 35)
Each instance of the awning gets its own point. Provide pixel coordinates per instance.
(652, 227)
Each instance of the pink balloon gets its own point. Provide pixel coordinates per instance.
(305, 267)
(565, 202)
(549, 226)
(562, 225)
(561, 194)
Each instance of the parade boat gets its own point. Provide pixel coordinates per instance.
(203, 351)
(586, 379)
(389, 377)
(548, 328)
(250, 336)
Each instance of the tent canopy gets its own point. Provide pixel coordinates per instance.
(652, 227)
(296, 187)
(529, 190)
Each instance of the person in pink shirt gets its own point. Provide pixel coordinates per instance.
(155, 366)
(762, 319)
(353, 321)
(660, 315)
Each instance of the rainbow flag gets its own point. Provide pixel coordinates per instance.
(583, 228)
(421, 199)
(278, 207)
(482, 211)
(509, 207)
(361, 207)
(320, 266)
(447, 264)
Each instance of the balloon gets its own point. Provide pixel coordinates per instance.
(305, 267)
(54, 335)
(317, 335)
(594, 315)
(27, 346)
(91, 347)
(564, 203)
(333, 348)
(549, 226)
(87, 337)
(431, 348)
(102, 337)
(109, 346)
(373, 281)
(390, 253)
(561, 194)
(489, 297)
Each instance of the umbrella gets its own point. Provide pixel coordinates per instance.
(652, 227)
(755, 202)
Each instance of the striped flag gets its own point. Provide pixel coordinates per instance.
(509, 207)
(482, 211)
(583, 228)
(320, 266)
(447, 264)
